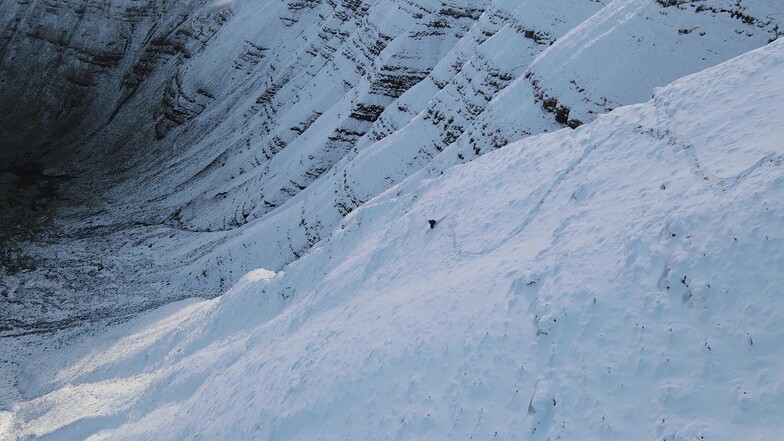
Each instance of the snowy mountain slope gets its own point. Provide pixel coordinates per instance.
(488, 101)
(174, 146)
(460, 91)
(617, 281)
(172, 87)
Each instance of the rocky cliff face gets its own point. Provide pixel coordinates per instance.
(67, 64)
(172, 143)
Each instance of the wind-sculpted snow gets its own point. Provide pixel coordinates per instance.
(617, 281)
(158, 150)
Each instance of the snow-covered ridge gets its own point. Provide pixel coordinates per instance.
(209, 138)
(618, 281)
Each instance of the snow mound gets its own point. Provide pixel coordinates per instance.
(618, 281)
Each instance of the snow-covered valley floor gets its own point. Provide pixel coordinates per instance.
(618, 281)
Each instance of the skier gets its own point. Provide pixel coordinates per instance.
(432, 223)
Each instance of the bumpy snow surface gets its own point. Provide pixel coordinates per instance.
(618, 281)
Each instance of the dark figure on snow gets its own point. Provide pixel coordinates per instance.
(432, 223)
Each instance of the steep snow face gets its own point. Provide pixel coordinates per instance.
(616, 281)
(517, 71)
(210, 138)
(322, 114)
